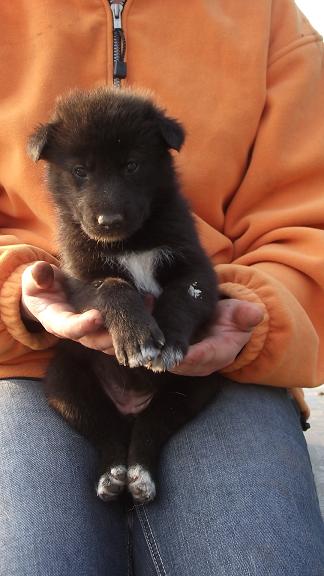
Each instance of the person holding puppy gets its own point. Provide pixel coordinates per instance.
(236, 488)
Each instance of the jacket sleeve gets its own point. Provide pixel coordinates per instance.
(275, 219)
(15, 339)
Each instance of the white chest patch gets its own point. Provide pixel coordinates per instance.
(141, 266)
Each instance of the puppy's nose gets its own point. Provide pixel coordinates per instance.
(110, 220)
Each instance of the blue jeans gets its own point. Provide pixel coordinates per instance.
(236, 495)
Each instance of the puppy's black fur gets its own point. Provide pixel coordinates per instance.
(124, 229)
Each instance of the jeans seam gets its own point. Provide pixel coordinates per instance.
(130, 549)
(151, 541)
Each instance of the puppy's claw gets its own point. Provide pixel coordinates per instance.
(146, 355)
(168, 359)
(121, 357)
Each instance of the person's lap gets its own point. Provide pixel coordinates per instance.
(53, 523)
(235, 496)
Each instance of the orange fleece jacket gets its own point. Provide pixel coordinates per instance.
(247, 81)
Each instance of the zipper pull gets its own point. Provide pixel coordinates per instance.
(120, 67)
(117, 8)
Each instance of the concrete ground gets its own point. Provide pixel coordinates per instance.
(315, 438)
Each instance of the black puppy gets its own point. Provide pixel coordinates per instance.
(125, 230)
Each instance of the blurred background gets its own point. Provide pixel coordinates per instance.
(314, 10)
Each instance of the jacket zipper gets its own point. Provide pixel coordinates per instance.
(119, 42)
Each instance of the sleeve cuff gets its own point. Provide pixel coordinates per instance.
(283, 349)
(10, 297)
(258, 338)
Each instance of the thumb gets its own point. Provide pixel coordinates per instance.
(43, 275)
(40, 276)
(247, 315)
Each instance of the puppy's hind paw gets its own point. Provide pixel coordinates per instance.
(112, 483)
(140, 484)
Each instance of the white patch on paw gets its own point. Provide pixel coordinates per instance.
(112, 483)
(150, 353)
(194, 290)
(119, 473)
(144, 357)
(169, 358)
(140, 484)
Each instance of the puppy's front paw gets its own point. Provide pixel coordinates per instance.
(140, 484)
(170, 357)
(112, 483)
(139, 345)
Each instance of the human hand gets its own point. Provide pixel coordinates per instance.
(226, 336)
(43, 300)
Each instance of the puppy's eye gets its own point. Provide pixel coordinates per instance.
(80, 172)
(131, 167)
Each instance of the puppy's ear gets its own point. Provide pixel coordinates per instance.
(172, 132)
(38, 144)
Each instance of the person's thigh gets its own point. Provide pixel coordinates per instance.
(52, 523)
(236, 494)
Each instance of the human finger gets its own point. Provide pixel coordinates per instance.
(247, 315)
(64, 323)
(100, 340)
